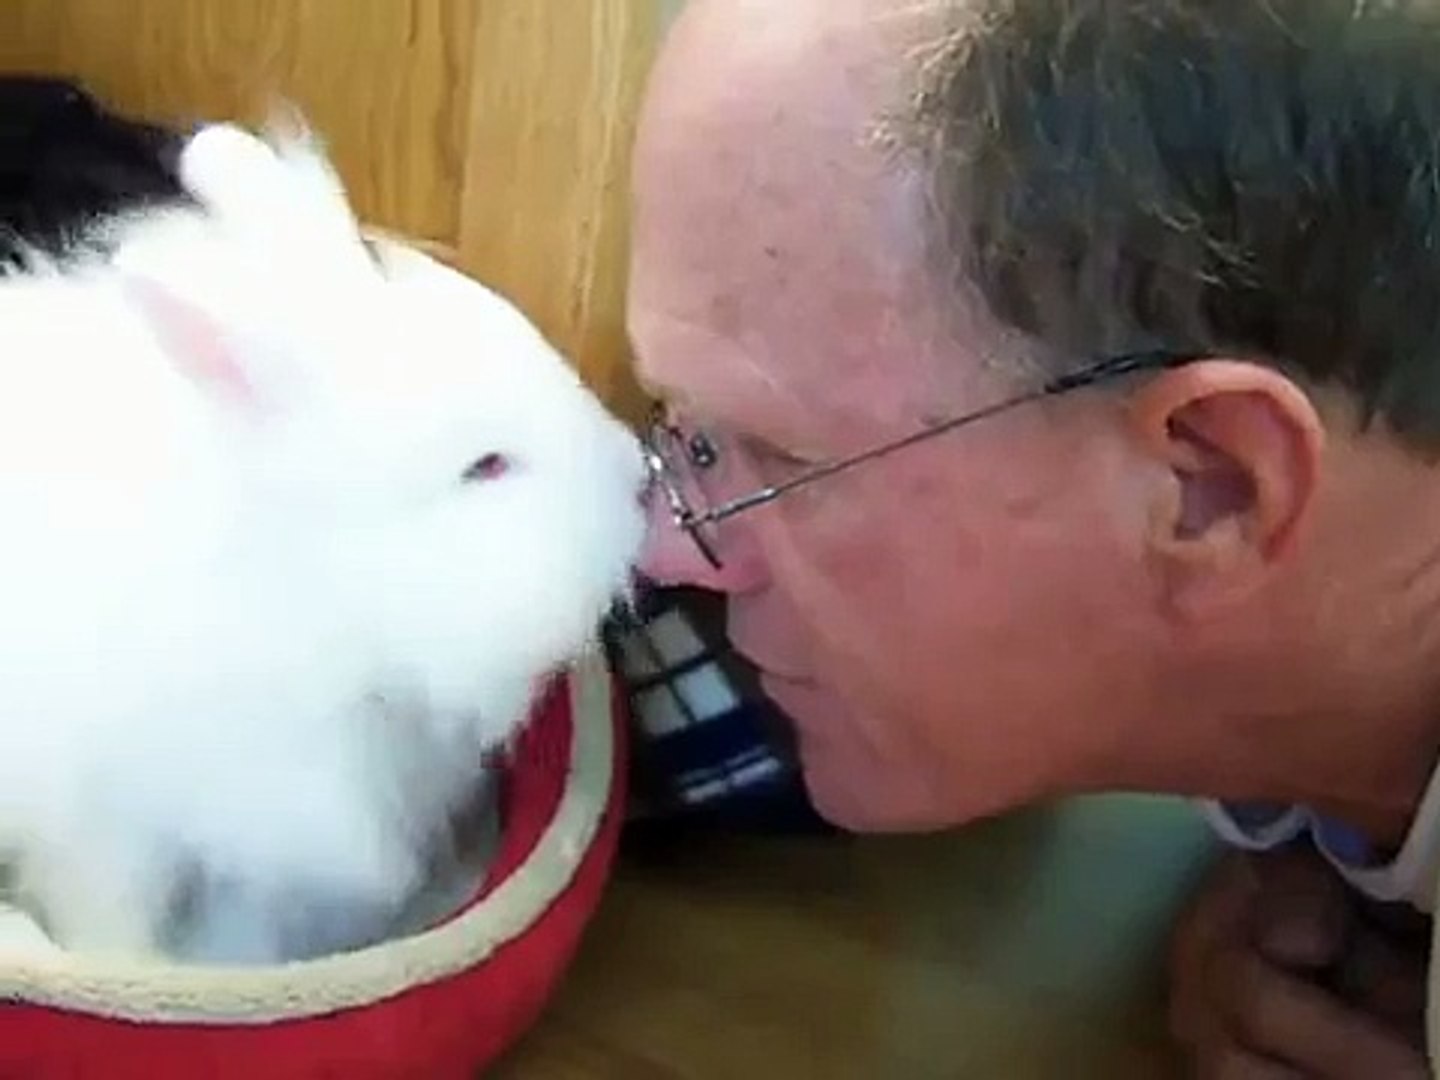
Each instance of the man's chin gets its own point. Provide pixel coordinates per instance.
(819, 726)
(849, 789)
(842, 798)
(853, 791)
(846, 783)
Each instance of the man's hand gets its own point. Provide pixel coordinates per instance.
(1275, 975)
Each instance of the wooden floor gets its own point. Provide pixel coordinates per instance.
(1024, 948)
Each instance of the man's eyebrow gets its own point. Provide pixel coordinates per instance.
(675, 398)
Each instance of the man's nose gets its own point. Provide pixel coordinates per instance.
(672, 557)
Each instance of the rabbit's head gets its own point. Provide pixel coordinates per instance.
(410, 455)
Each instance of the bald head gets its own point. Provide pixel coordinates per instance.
(759, 172)
(843, 52)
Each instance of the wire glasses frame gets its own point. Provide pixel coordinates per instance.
(670, 454)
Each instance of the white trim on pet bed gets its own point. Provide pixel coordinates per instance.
(137, 991)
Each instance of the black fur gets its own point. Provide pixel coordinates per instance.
(65, 160)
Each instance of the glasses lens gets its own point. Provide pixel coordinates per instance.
(676, 460)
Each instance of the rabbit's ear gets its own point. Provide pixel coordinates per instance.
(203, 350)
(281, 193)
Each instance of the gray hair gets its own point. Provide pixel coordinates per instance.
(1238, 177)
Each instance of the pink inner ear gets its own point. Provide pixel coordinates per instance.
(194, 342)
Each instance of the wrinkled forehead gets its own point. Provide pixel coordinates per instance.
(778, 243)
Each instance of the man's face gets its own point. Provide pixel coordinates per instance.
(948, 627)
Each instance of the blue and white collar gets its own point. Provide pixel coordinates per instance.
(1412, 876)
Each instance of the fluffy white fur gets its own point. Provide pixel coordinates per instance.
(258, 628)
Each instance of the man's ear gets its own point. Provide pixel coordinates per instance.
(1241, 445)
(199, 346)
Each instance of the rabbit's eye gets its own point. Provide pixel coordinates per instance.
(489, 467)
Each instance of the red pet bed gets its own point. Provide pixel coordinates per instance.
(438, 1005)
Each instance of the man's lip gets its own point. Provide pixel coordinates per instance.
(793, 697)
(765, 671)
(780, 677)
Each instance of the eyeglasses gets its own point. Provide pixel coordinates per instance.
(677, 459)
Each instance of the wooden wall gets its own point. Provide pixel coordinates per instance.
(496, 130)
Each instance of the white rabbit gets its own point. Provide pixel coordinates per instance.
(294, 527)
